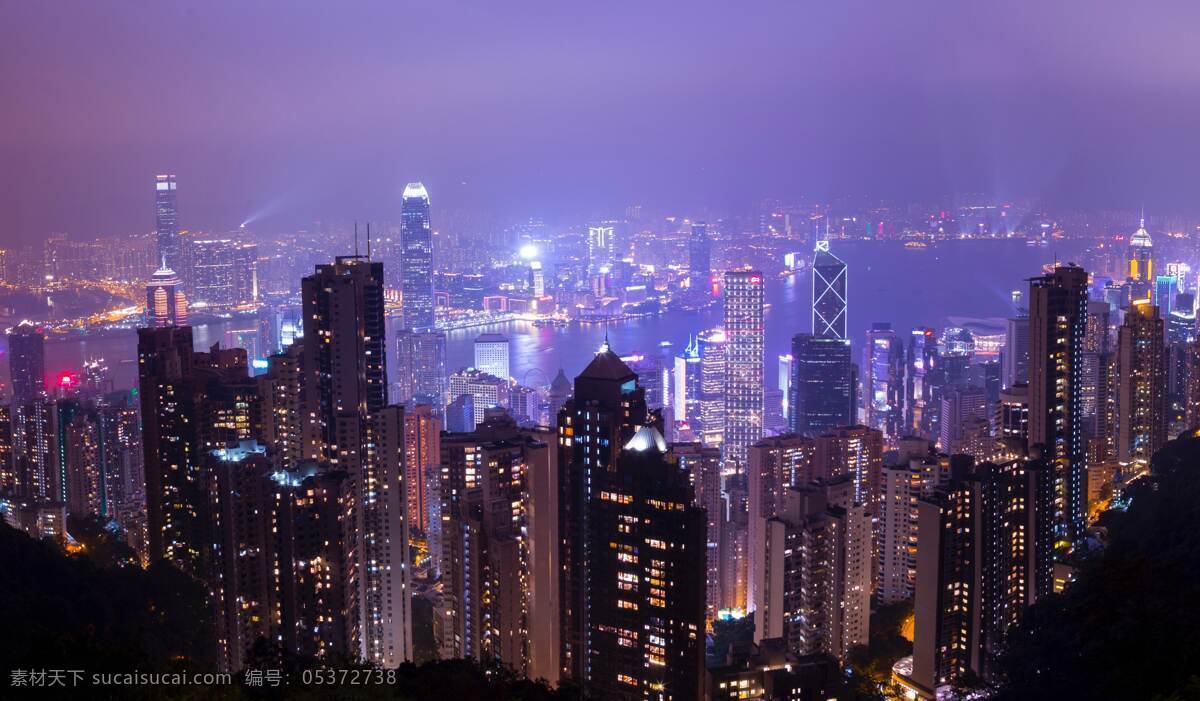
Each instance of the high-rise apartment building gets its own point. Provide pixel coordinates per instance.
(744, 363)
(486, 391)
(1141, 392)
(984, 547)
(26, 362)
(1057, 325)
(774, 466)
(814, 571)
(360, 433)
(646, 557)
(499, 585)
(607, 409)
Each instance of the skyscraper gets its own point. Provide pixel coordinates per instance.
(883, 381)
(1016, 352)
(920, 364)
(646, 591)
(608, 407)
(1141, 377)
(491, 355)
(486, 391)
(1057, 324)
(358, 432)
(26, 362)
(166, 305)
(600, 248)
(421, 371)
(192, 403)
(711, 347)
(498, 581)
(744, 363)
(823, 387)
(829, 297)
(815, 571)
(984, 554)
(166, 214)
(700, 260)
(416, 241)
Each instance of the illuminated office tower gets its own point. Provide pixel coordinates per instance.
(26, 362)
(784, 382)
(422, 456)
(486, 391)
(166, 215)
(652, 377)
(1057, 325)
(600, 248)
(823, 389)
(1141, 401)
(984, 554)
(1015, 363)
(1141, 255)
(416, 241)
(830, 278)
(358, 432)
(700, 260)
(921, 362)
(421, 357)
(883, 381)
(1166, 287)
(703, 465)
(491, 355)
(222, 273)
(84, 467)
(744, 363)
(166, 305)
(685, 394)
(608, 407)
(960, 407)
(498, 574)
(646, 596)
(815, 573)
(774, 465)
(856, 451)
(711, 346)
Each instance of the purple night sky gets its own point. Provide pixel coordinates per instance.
(290, 111)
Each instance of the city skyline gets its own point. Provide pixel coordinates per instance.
(857, 126)
(703, 353)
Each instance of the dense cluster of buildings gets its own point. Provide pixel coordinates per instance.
(596, 530)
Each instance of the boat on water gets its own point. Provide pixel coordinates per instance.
(916, 245)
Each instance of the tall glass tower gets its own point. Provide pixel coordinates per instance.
(416, 241)
(829, 294)
(166, 215)
(743, 363)
(700, 259)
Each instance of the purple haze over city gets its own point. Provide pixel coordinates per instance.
(286, 112)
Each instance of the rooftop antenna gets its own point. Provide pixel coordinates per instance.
(368, 240)
(355, 238)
